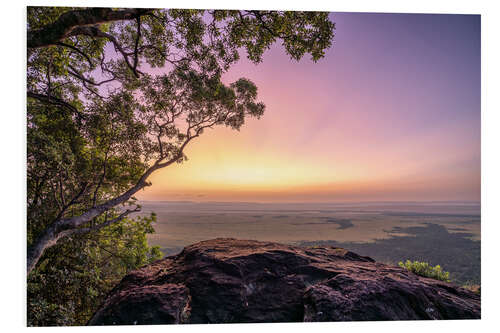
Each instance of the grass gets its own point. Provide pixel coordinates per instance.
(475, 288)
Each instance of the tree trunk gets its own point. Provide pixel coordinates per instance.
(62, 227)
(48, 239)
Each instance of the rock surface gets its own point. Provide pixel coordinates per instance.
(239, 281)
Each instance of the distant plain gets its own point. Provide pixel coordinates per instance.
(445, 233)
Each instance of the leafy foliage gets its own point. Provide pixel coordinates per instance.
(426, 270)
(74, 277)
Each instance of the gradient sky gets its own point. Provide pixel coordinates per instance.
(391, 113)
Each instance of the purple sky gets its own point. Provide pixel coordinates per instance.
(391, 113)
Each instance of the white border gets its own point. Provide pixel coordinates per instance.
(14, 146)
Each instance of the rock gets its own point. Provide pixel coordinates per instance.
(242, 281)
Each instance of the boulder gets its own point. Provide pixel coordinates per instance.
(243, 281)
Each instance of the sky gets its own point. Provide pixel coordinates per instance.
(391, 113)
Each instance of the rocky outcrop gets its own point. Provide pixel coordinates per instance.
(240, 281)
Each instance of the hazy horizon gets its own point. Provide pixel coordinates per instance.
(323, 202)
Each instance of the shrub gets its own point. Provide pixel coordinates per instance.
(426, 270)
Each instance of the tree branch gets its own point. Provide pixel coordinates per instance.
(54, 101)
(80, 76)
(94, 31)
(99, 226)
(77, 50)
(136, 55)
(101, 180)
(72, 201)
(65, 25)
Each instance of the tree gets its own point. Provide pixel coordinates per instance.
(100, 123)
(73, 277)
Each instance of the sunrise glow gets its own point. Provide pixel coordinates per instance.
(391, 113)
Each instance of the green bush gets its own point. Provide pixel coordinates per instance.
(426, 270)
